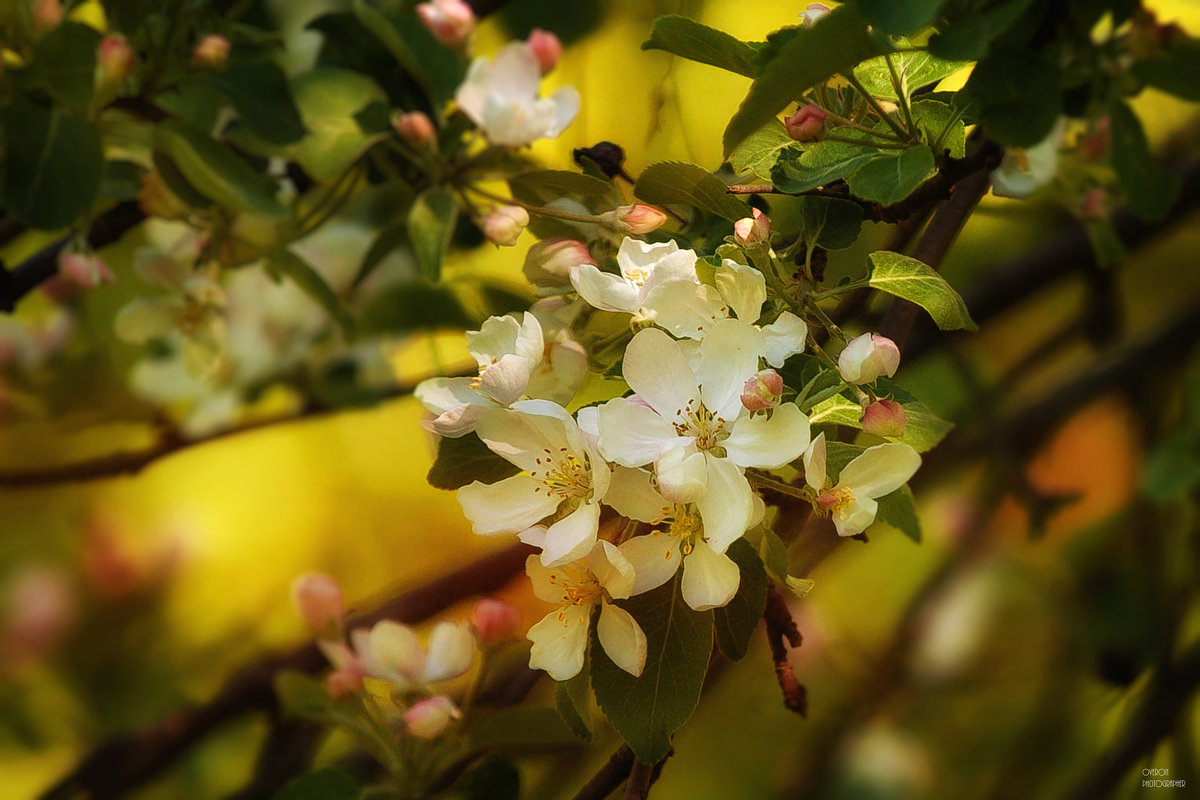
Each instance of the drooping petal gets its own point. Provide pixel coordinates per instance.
(571, 537)
(684, 308)
(440, 395)
(855, 516)
(523, 438)
(682, 474)
(509, 506)
(726, 507)
(632, 434)
(496, 337)
(784, 338)
(544, 580)
(451, 651)
(656, 369)
(710, 579)
(768, 443)
(560, 641)
(743, 288)
(632, 495)
(880, 470)
(729, 356)
(655, 559)
(566, 107)
(612, 569)
(622, 638)
(456, 422)
(603, 290)
(814, 463)
(505, 381)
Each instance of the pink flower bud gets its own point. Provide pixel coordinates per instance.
(1094, 143)
(754, 229)
(211, 52)
(813, 12)
(549, 262)
(84, 270)
(867, 357)
(1095, 204)
(319, 600)
(114, 59)
(414, 127)
(495, 621)
(806, 124)
(428, 718)
(884, 418)
(47, 15)
(342, 683)
(546, 48)
(762, 391)
(40, 606)
(635, 218)
(450, 21)
(504, 225)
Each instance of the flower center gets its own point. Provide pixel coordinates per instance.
(835, 499)
(637, 276)
(684, 523)
(579, 586)
(563, 474)
(697, 421)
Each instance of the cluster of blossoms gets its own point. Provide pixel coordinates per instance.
(705, 406)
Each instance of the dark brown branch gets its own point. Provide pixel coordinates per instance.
(610, 776)
(782, 633)
(128, 761)
(640, 778)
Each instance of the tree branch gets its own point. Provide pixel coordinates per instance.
(782, 633)
(610, 776)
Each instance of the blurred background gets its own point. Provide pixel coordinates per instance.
(1008, 654)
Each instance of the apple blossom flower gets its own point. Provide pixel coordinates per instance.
(495, 620)
(806, 124)
(877, 471)
(504, 225)
(211, 52)
(548, 263)
(546, 48)
(868, 357)
(392, 652)
(450, 21)
(501, 97)
(84, 270)
(754, 229)
(1023, 172)
(414, 127)
(429, 718)
(319, 599)
(560, 639)
(563, 477)
(693, 427)
(637, 218)
(884, 418)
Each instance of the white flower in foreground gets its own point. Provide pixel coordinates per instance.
(560, 639)
(392, 652)
(564, 477)
(878, 471)
(693, 427)
(1023, 172)
(502, 99)
(744, 290)
(868, 357)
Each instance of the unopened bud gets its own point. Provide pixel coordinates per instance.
(884, 418)
(84, 270)
(319, 599)
(814, 12)
(211, 52)
(806, 124)
(635, 218)
(342, 683)
(1094, 205)
(414, 127)
(549, 262)
(428, 718)
(504, 225)
(47, 15)
(1094, 143)
(114, 59)
(752, 230)
(495, 621)
(450, 21)
(762, 391)
(546, 48)
(867, 357)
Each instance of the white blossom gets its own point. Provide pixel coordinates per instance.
(878, 471)
(501, 97)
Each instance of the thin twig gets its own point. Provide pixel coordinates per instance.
(782, 632)
(610, 776)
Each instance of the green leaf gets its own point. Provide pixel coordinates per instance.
(919, 69)
(215, 172)
(329, 783)
(1151, 191)
(465, 459)
(759, 151)
(64, 64)
(923, 430)
(891, 177)
(970, 32)
(53, 165)
(492, 780)
(914, 281)
(178, 184)
(328, 99)
(900, 17)
(430, 228)
(736, 622)
(549, 184)
(827, 222)
(1173, 69)
(837, 456)
(648, 709)
(685, 37)
(122, 180)
(774, 555)
(522, 728)
(302, 696)
(1017, 96)
(800, 169)
(687, 184)
(287, 263)
(900, 511)
(388, 35)
(836, 410)
(260, 94)
(932, 118)
(834, 44)
(573, 701)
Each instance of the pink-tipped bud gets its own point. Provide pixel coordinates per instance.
(806, 124)
(546, 48)
(867, 357)
(84, 270)
(762, 391)
(549, 262)
(114, 59)
(884, 418)
(342, 683)
(635, 218)
(40, 606)
(504, 225)
(319, 599)
(813, 12)
(450, 21)
(1095, 204)
(211, 52)
(414, 127)
(752, 230)
(47, 15)
(1094, 143)
(428, 718)
(495, 621)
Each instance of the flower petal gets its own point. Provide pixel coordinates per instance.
(684, 308)
(710, 579)
(744, 288)
(880, 470)
(632, 495)
(560, 641)
(757, 441)
(395, 654)
(856, 516)
(622, 638)
(146, 318)
(571, 537)
(451, 651)
(655, 559)
(814, 463)
(603, 290)
(632, 434)
(783, 338)
(727, 507)
(729, 356)
(612, 570)
(656, 369)
(682, 474)
(509, 506)
(505, 380)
